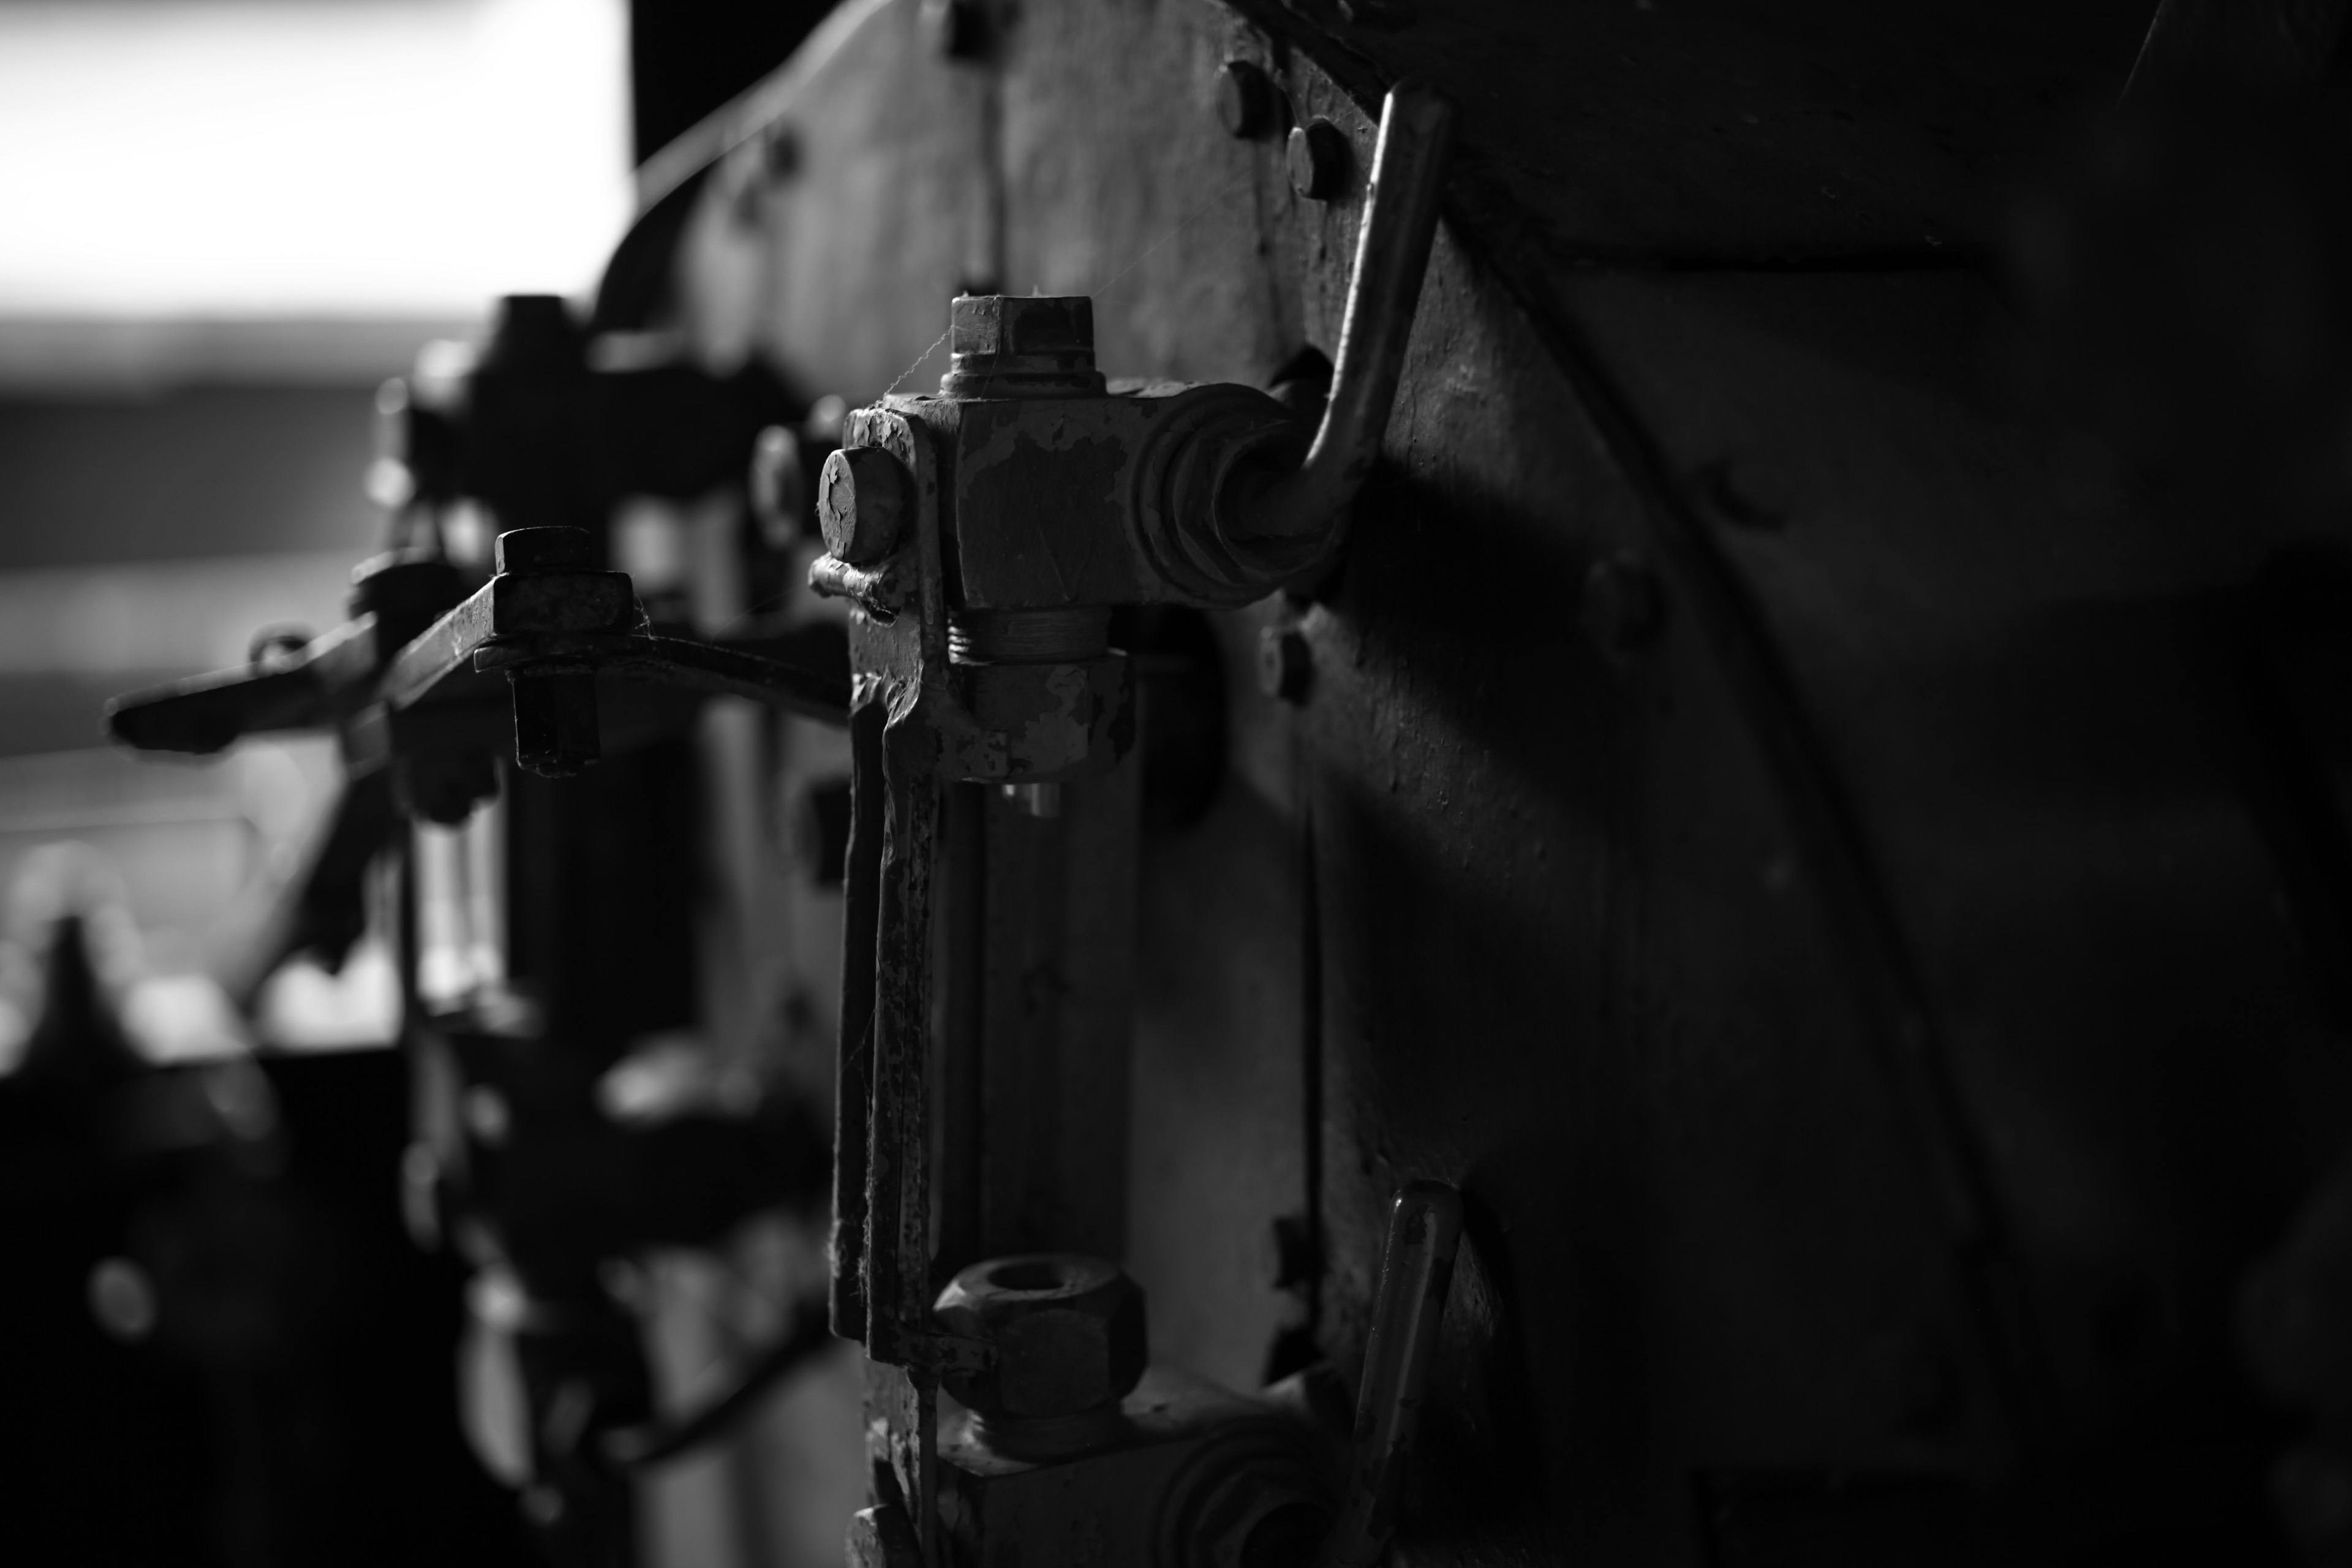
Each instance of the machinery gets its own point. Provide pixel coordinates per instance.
(1592, 812)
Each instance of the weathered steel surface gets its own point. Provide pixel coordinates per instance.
(893, 146)
(1498, 934)
(1735, 132)
(2030, 680)
(1849, 986)
(1572, 963)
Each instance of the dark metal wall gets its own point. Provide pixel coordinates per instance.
(1775, 819)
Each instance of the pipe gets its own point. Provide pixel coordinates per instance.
(1409, 163)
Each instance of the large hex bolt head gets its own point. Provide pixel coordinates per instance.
(1068, 1331)
(862, 498)
(1023, 325)
(1013, 345)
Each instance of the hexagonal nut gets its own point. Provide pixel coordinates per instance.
(1023, 324)
(404, 585)
(1068, 1331)
(863, 495)
(519, 550)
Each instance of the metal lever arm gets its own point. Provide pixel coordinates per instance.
(551, 617)
(208, 713)
(1416, 138)
(1416, 1268)
(785, 674)
(320, 685)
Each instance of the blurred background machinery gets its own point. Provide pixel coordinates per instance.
(1568, 786)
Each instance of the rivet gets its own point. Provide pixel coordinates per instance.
(1319, 159)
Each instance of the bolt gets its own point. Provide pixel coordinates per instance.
(1244, 100)
(1622, 607)
(405, 591)
(1319, 159)
(1068, 1333)
(546, 550)
(861, 502)
(555, 722)
(1016, 345)
(554, 715)
(1023, 324)
(1286, 664)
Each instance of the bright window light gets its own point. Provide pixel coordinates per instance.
(256, 158)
